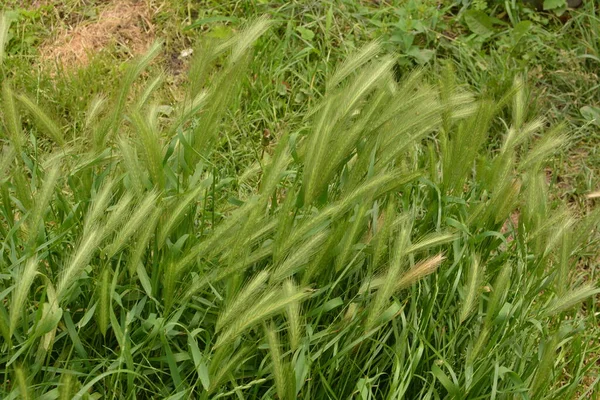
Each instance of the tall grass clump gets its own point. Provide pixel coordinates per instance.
(390, 250)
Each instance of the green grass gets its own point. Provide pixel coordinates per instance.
(306, 214)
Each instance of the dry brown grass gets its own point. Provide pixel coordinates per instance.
(122, 23)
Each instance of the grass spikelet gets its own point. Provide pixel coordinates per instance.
(94, 110)
(151, 147)
(42, 200)
(220, 366)
(189, 109)
(365, 83)
(481, 341)
(385, 284)
(519, 106)
(67, 386)
(472, 288)
(104, 301)
(22, 187)
(374, 187)
(48, 323)
(564, 258)
(133, 72)
(12, 118)
(6, 159)
(285, 390)
(555, 234)
(151, 87)
(299, 258)
(137, 176)
(220, 238)
(353, 233)
(21, 381)
(550, 144)
(141, 214)
(44, 121)
(419, 271)
(584, 230)
(200, 65)
(271, 303)
(237, 268)
(23, 283)
(99, 205)
(5, 23)
(383, 232)
(328, 147)
(136, 254)
(79, 261)
(242, 42)
(178, 213)
(514, 139)
(171, 275)
(354, 63)
(431, 240)
(273, 172)
(292, 313)
(118, 214)
(571, 298)
(247, 296)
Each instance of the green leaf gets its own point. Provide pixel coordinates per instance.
(199, 362)
(452, 388)
(51, 315)
(421, 56)
(306, 33)
(479, 22)
(521, 29)
(553, 4)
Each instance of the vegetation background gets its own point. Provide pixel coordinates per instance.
(299, 199)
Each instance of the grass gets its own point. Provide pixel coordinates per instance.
(303, 214)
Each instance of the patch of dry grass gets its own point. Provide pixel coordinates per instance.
(126, 24)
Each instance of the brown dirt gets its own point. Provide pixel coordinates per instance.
(124, 23)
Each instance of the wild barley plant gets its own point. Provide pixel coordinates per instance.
(375, 258)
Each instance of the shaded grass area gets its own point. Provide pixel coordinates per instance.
(256, 266)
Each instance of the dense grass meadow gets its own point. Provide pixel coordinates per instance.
(299, 200)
